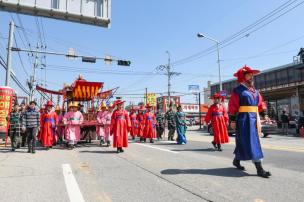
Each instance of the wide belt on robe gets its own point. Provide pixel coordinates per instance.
(74, 119)
(217, 114)
(253, 109)
(51, 120)
(119, 118)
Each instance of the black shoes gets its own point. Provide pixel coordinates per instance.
(219, 148)
(151, 141)
(170, 138)
(119, 150)
(237, 164)
(214, 145)
(260, 171)
(101, 141)
(108, 143)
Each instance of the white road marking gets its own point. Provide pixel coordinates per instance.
(166, 150)
(71, 184)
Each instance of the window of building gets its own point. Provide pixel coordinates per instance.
(270, 79)
(259, 81)
(282, 77)
(293, 75)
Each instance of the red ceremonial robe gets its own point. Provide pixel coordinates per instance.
(49, 122)
(134, 124)
(41, 127)
(120, 124)
(219, 120)
(141, 125)
(150, 125)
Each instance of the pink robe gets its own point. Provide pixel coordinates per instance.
(73, 120)
(104, 118)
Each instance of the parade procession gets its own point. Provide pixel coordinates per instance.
(83, 116)
(151, 101)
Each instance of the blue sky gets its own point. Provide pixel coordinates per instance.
(142, 31)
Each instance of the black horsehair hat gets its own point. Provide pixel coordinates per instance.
(33, 102)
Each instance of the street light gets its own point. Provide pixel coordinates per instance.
(200, 35)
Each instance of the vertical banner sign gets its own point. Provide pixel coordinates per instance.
(6, 96)
(151, 97)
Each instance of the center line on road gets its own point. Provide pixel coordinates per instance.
(71, 184)
(166, 150)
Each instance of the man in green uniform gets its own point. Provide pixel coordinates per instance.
(160, 124)
(170, 116)
(15, 120)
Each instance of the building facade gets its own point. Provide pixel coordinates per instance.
(207, 94)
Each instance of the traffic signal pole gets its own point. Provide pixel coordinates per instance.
(90, 59)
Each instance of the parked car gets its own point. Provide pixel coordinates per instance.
(268, 127)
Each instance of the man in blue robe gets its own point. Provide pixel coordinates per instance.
(245, 105)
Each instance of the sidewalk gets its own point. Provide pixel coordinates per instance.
(274, 142)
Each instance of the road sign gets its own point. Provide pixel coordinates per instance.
(151, 98)
(193, 88)
(94, 12)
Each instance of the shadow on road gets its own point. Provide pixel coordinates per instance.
(165, 143)
(198, 150)
(99, 152)
(223, 172)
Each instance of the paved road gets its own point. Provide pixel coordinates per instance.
(162, 171)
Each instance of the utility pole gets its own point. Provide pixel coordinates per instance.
(32, 81)
(169, 77)
(168, 73)
(9, 53)
(146, 95)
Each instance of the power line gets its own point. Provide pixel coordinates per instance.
(38, 30)
(30, 57)
(242, 33)
(97, 71)
(15, 79)
(21, 62)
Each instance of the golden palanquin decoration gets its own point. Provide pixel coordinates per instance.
(85, 91)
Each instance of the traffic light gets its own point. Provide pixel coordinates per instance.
(123, 63)
(89, 59)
